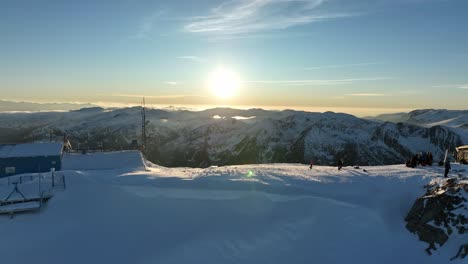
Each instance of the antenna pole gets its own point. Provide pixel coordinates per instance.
(143, 126)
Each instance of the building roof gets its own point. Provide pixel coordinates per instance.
(30, 150)
(462, 148)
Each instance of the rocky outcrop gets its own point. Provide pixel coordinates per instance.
(441, 212)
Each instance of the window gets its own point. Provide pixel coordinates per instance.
(10, 170)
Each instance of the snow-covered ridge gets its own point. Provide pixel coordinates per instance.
(195, 138)
(429, 118)
(11, 106)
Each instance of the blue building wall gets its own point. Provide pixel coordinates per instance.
(29, 164)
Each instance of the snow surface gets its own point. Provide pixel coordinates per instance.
(31, 150)
(276, 213)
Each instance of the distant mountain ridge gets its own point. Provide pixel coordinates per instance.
(29, 106)
(428, 118)
(224, 136)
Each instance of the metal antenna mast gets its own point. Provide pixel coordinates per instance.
(143, 126)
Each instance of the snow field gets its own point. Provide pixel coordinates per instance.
(280, 213)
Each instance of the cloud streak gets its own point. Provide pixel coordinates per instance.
(367, 94)
(147, 25)
(169, 96)
(191, 58)
(242, 16)
(361, 64)
(318, 82)
(457, 86)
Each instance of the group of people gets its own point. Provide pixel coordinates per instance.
(421, 158)
(426, 159)
(339, 163)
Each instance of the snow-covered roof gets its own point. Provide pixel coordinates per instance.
(462, 148)
(30, 150)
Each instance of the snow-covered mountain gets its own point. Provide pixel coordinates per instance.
(29, 106)
(429, 118)
(224, 136)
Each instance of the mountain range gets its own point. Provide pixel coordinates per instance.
(225, 136)
(428, 118)
(30, 106)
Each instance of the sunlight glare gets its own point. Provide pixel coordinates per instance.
(224, 83)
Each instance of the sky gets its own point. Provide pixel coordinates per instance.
(301, 54)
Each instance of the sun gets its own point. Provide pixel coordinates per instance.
(224, 83)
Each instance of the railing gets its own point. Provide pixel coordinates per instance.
(51, 179)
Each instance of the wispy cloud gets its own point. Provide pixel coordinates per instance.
(169, 96)
(339, 97)
(171, 83)
(410, 92)
(192, 58)
(361, 64)
(367, 94)
(318, 82)
(453, 86)
(242, 16)
(147, 25)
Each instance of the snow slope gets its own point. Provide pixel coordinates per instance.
(279, 213)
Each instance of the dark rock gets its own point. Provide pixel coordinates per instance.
(436, 215)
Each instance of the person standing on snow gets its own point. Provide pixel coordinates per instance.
(311, 164)
(447, 168)
(430, 159)
(340, 164)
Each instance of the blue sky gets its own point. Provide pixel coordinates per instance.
(400, 54)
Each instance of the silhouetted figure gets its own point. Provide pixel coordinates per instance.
(447, 168)
(311, 164)
(430, 159)
(423, 159)
(414, 161)
(418, 159)
(340, 164)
